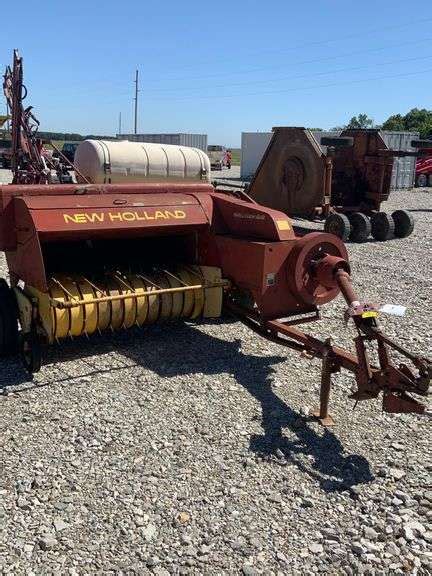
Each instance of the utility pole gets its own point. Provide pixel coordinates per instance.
(120, 125)
(136, 101)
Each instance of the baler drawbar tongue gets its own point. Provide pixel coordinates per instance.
(396, 383)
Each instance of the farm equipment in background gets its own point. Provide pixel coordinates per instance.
(342, 180)
(68, 152)
(218, 156)
(5, 152)
(423, 173)
(88, 257)
(30, 162)
(5, 142)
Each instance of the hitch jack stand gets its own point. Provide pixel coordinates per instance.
(327, 369)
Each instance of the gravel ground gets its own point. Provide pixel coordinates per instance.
(5, 176)
(185, 449)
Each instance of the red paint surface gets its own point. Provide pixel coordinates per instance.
(254, 246)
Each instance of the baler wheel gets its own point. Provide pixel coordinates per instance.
(361, 227)
(338, 225)
(404, 223)
(383, 226)
(31, 352)
(8, 321)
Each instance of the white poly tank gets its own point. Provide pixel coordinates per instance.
(117, 161)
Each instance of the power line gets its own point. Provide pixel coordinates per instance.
(302, 63)
(335, 38)
(267, 93)
(296, 89)
(89, 90)
(291, 77)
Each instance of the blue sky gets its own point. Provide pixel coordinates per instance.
(220, 67)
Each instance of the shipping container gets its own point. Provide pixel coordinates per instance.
(403, 175)
(178, 139)
(254, 144)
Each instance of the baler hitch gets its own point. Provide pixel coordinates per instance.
(396, 383)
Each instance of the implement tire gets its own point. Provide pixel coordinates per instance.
(422, 181)
(383, 226)
(31, 352)
(360, 227)
(404, 223)
(338, 225)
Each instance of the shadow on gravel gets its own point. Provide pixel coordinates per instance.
(225, 178)
(188, 350)
(419, 209)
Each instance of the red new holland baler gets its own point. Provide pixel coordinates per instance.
(85, 258)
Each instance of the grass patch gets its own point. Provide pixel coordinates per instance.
(58, 143)
(236, 156)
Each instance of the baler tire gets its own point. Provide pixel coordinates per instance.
(404, 223)
(338, 225)
(31, 352)
(8, 321)
(383, 226)
(361, 227)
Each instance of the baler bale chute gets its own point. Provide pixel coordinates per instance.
(89, 257)
(342, 180)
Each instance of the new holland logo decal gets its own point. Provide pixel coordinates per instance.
(122, 216)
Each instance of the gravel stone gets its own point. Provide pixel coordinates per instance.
(392, 549)
(149, 532)
(370, 533)
(60, 525)
(249, 570)
(316, 548)
(397, 473)
(186, 448)
(47, 543)
(358, 548)
(307, 503)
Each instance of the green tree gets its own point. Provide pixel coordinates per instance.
(419, 120)
(395, 122)
(361, 121)
(416, 120)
